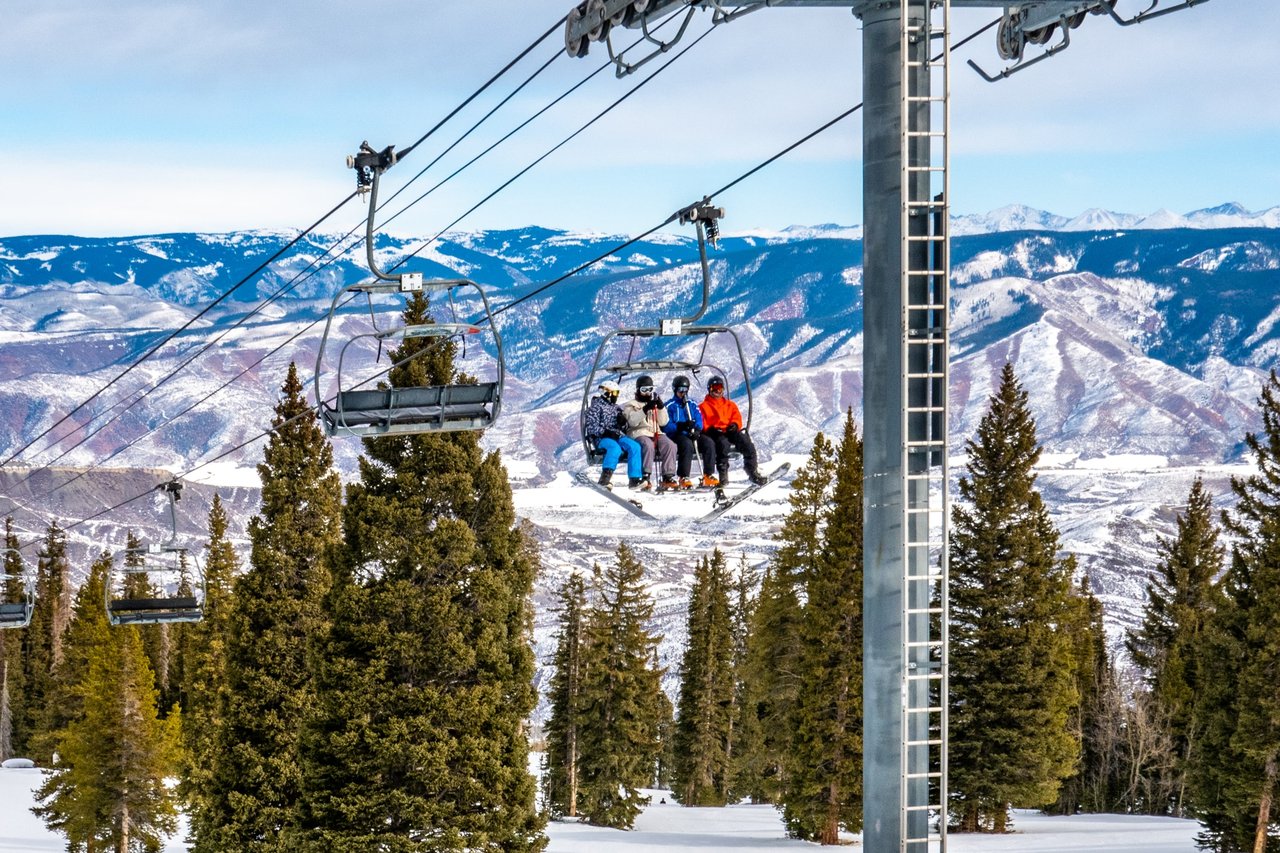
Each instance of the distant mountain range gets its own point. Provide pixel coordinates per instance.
(1142, 345)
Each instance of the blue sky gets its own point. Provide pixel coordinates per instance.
(137, 117)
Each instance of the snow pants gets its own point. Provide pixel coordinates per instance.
(614, 448)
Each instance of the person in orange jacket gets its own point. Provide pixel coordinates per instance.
(722, 422)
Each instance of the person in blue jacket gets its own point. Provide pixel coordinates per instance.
(603, 431)
(684, 426)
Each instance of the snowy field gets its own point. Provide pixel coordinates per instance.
(671, 828)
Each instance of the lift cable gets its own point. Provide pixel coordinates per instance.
(285, 248)
(552, 150)
(169, 337)
(310, 412)
(307, 273)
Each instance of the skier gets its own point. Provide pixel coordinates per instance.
(645, 417)
(684, 426)
(603, 430)
(722, 421)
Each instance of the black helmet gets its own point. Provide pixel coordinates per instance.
(644, 381)
(715, 382)
(680, 383)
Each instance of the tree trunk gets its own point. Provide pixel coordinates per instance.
(122, 845)
(571, 808)
(831, 825)
(1264, 807)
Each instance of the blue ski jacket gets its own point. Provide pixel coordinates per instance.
(679, 412)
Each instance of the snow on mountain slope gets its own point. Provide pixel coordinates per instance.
(1142, 352)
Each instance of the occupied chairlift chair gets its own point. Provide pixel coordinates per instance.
(15, 611)
(413, 410)
(123, 610)
(705, 217)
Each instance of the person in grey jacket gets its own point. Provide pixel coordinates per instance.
(645, 417)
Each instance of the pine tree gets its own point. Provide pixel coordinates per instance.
(823, 789)
(744, 730)
(1094, 786)
(12, 672)
(425, 677)
(701, 742)
(107, 788)
(560, 776)
(248, 794)
(42, 646)
(772, 665)
(1236, 761)
(620, 718)
(1012, 686)
(1173, 619)
(201, 654)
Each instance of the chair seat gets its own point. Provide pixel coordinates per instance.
(443, 405)
(180, 603)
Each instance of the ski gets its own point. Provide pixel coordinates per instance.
(631, 505)
(724, 503)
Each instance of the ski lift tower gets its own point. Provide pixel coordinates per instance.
(906, 46)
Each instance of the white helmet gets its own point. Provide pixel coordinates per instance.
(610, 387)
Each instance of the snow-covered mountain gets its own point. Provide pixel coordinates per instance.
(1142, 349)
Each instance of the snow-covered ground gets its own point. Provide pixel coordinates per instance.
(669, 828)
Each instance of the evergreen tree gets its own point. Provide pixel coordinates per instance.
(701, 742)
(1173, 620)
(560, 771)
(774, 648)
(1236, 761)
(85, 636)
(1012, 670)
(12, 672)
(248, 793)
(823, 789)
(425, 677)
(744, 732)
(201, 655)
(42, 647)
(1094, 787)
(620, 717)
(107, 789)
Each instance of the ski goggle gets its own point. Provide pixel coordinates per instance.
(645, 389)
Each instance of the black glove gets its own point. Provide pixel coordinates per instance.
(652, 406)
(687, 428)
(731, 429)
(612, 433)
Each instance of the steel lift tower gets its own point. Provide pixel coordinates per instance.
(906, 46)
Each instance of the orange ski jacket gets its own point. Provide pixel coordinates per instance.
(719, 413)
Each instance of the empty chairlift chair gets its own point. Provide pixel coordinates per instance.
(168, 560)
(412, 410)
(17, 595)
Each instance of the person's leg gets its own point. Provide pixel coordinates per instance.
(707, 450)
(747, 448)
(646, 451)
(666, 449)
(635, 461)
(722, 458)
(684, 455)
(612, 453)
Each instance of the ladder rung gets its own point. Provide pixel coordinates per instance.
(919, 238)
(926, 376)
(922, 839)
(929, 774)
(930, 742)
(929, 807)
(933, 709)
(927, 578)
(921, 644)
(924, 611)
(927, 676)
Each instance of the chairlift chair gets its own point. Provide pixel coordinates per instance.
(16, 613)
(156, 558)
(706, 218)
(412, 410)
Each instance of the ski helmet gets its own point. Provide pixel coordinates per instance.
(644, 381)
(715, 382)
(610, 387)
(680, 383)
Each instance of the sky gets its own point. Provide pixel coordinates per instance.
(134, 117)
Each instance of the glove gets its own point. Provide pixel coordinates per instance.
(612, 433)
(687, 428)
(652, 406)
(731, 429)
